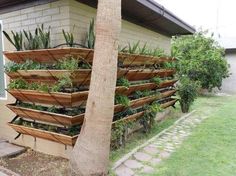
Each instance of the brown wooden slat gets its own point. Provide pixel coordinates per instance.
(45, 116)
(60, 138)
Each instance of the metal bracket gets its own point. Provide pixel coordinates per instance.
(174, 106)
(65, 147)
(18, 135)
(14, 119)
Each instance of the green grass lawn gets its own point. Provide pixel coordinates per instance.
(211, 149)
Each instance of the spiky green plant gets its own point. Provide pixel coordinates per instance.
(133, 49)
(17, 40)
(69, 38)
(90, 39)
(157, 80)
(44, 36)
(122, 99)
(33, 41)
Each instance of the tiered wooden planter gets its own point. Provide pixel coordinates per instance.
(80, 78)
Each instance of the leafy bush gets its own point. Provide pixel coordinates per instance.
(123, 82)
(157, 80)
(201, 59)
(122, 99)
(18, 84)
(187, 90)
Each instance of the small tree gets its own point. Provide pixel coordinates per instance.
(201, 59)
(187, 90)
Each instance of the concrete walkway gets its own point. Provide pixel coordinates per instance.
(7, 150)
(143, 159)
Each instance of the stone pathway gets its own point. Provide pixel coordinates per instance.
(7, 149)
(143, 160)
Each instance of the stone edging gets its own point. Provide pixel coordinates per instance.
(128, 155)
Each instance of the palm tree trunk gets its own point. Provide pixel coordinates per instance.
(90, 155)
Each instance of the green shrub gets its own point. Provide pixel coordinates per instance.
(201, 59)
(157, 80)
(123, 82)
(187, 90)
(122, 99)
(18, 84)
(12, 67)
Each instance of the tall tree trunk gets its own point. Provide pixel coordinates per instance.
(90, 155)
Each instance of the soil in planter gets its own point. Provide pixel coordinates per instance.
(70, 131)
(66, 111)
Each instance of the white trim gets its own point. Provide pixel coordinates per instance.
(5, 80)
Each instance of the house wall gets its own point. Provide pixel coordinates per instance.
(229, 84)
(71, 16)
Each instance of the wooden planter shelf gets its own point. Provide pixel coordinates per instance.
(70, 140)
(77, 98)
(60, 138)
(145, 100)
(82, 76)
(55, 54)
(45, 116)
(138, 115)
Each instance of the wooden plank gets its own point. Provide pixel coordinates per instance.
(60, 138)
(45, 116)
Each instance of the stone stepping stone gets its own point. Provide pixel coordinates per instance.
(142, 156)
(133, 164)
(8, 149)
(151, 150)
(147, 170)
(124, 171)
(155, 161)
(164, 154)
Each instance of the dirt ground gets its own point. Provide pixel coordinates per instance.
(33, 163)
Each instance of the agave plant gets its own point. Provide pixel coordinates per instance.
(69, 38)
(17, 40)
(33, 42)
(133, 49)
(44, 36)
(90, 39)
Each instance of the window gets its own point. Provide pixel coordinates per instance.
(2, 75)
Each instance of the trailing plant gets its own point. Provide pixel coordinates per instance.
(72, 63)
(123, 82)
(125, 113)
(122, 99)
(18, 84)
(90, 38)
(140, 94)
(169, 65)
(44, 36)
(157, 80)
(200, 58)
(33, 41)
(17, 40)
(69, 38)
(31, 65)
(148, 118)
(63, 83)
(187, 90)
(117, 133)
(12, 67)
(71, 131)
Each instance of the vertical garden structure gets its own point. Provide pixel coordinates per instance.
(139, 70)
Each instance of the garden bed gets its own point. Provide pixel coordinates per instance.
(60, 138)
(55, 54)
(33, 114)
(82, 76)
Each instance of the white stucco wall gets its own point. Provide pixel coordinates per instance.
(229, 84)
